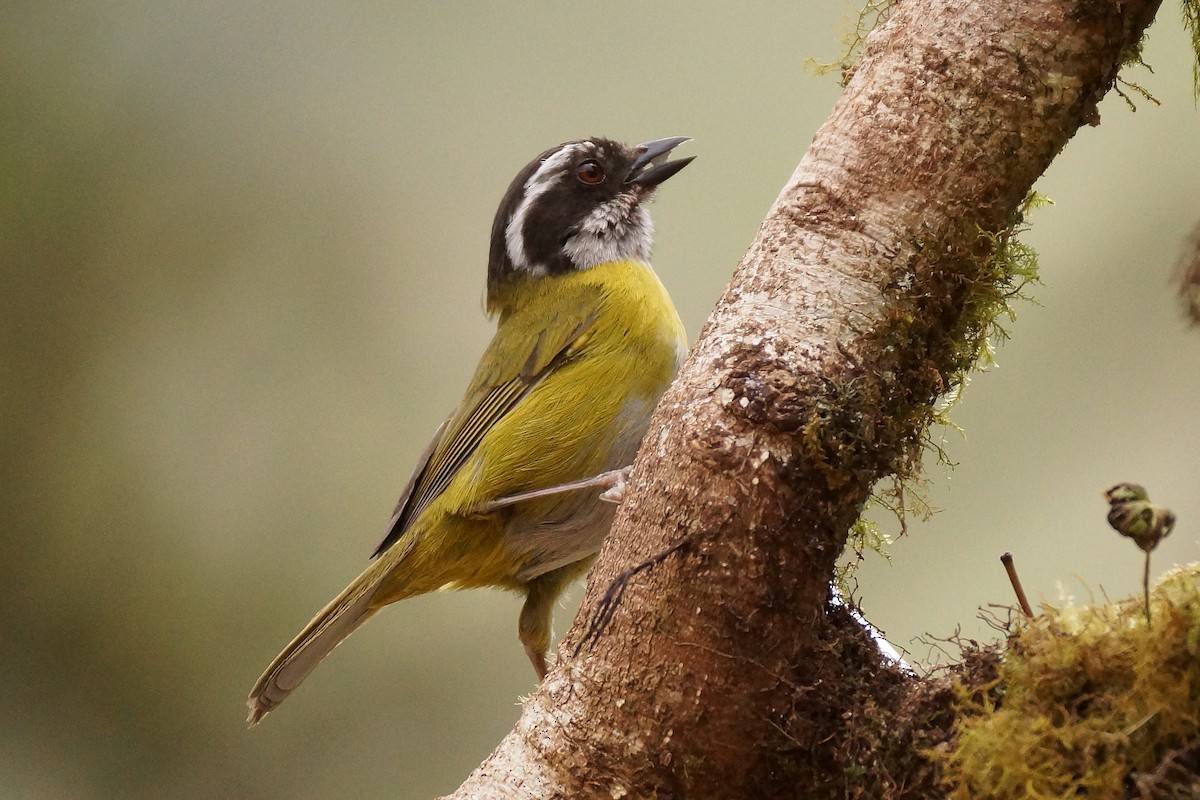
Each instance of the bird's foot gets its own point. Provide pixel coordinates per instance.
(612, 482)
(615, 493)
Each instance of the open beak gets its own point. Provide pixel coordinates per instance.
(651, 167)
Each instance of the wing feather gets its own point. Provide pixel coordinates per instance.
(493, 394)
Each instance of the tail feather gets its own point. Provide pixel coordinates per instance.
(326, 631)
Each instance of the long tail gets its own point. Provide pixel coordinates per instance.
(327, 630)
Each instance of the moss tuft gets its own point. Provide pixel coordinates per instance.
(983, 284)
(865, 537)
(1131, 57)
(1191, 23)
(870, 16)
(1088, 702)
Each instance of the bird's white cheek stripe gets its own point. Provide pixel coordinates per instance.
(535, 187)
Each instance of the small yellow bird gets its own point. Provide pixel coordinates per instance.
(586, 342)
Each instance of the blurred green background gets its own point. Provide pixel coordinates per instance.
(242, 250)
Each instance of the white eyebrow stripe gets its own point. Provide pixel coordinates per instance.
(535, 187)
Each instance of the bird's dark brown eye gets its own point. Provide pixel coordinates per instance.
(590, 172)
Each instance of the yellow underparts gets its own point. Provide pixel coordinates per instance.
(621, 340)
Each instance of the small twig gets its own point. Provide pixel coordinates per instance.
(1011, 569)
(607, 607)
(1175, 772)
(990, 615)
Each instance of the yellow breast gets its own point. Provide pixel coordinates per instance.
(620, 342)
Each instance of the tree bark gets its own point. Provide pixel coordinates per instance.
(723, 672)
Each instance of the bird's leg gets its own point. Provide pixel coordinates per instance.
(612, 482)
(538, 659)
(537, 614)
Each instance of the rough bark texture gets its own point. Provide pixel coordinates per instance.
(722, 673)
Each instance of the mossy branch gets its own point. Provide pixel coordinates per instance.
(872, 288)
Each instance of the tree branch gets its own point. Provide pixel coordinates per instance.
(865, 296)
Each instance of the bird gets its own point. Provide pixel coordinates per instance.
(508, 492)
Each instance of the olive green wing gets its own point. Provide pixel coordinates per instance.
(522, 353)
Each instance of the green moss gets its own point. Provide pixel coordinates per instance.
(1191, 23)
(1087, 703)
(1131, 57)
(871, 15)
(983, 284)
(865, 537)
(1008, 267)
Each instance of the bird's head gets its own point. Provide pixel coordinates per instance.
(576, 206)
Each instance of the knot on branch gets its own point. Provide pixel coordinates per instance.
(831, 417)
(764, 391)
